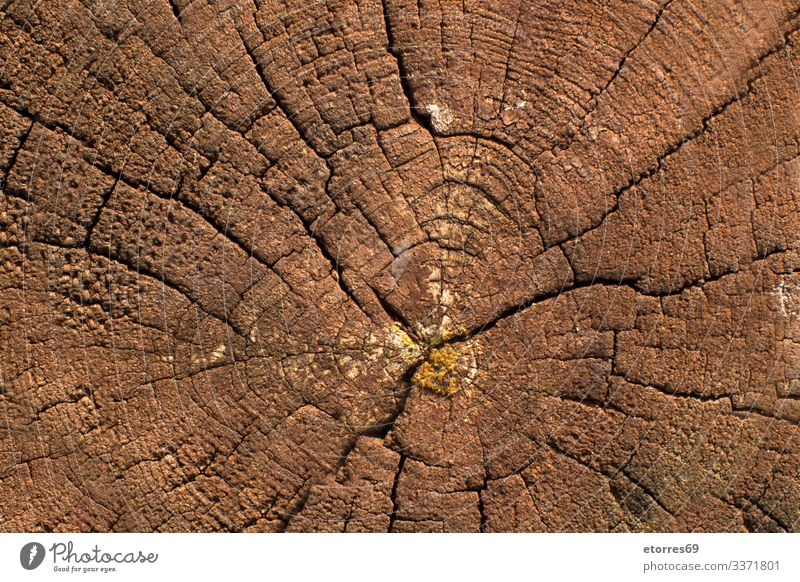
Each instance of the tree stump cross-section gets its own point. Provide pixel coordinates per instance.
(400, 266)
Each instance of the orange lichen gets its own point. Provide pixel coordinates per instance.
(439, 372)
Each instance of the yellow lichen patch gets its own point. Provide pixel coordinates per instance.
(439, 372)
(448, 334)
(404, 337)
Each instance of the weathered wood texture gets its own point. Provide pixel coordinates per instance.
(249, 247)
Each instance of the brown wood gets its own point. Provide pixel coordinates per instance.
(438, 265)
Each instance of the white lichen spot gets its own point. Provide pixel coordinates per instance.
(517, 105)
(787, 296)
(434, 282)
(349, 367)
(446, 298)
(787, 300)
(446, 322)
(596, 131)
(399, 349)
(441, 117)
(218, 353)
